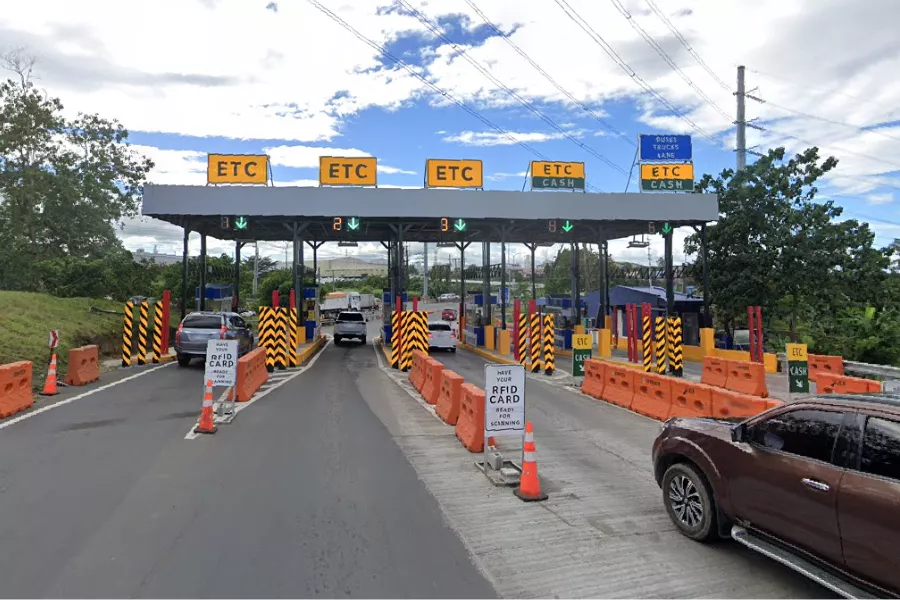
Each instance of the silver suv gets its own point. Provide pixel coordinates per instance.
(198, 328)
(350, 324)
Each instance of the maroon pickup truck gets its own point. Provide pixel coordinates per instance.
(813, 484)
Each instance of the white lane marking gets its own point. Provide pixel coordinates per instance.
(263, 392)
(398, 379)
(44, 409)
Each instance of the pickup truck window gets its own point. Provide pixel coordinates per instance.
(807, 433)
(350, 318)
(438, 327)
(881, 448)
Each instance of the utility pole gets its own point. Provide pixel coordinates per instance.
(425, 276)
(256, 269)
(742, 122)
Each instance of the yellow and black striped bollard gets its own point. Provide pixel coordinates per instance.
(127, 333)
(670, 342)
(426, 344)
(409, 341)
(535, 335)
(293, 327)
(678, 340)
(549, 349)
(281, 338)
(267, 335)
(395, 339)
(143, 327)
(647, 343)
(157, 331)
(523, 338)
(660, 345)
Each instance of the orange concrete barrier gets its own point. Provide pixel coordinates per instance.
(715, 371)
(16, 394)
(842, 384)
(619, 386)
(447, 407)
(652, 396)
(691, 399)
(728, 404)
(417, 372)
(823, 363)
(251, 374)
(431, 389)
(84, 365)
(747, 378)
(594, 378)
(470, 425)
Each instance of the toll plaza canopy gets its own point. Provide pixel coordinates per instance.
(511, 216)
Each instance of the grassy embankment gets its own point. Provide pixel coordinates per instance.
(27, 318)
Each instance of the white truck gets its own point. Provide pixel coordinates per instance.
(336, 302)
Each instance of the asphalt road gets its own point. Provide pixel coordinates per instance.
(306, 494)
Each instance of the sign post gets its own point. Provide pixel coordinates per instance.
(221, 369)
(582, 345)
(798, 368)
(504, 415)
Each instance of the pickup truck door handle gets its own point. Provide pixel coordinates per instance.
(816, 485)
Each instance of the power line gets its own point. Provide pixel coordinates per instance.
(807, 115)
(598, 39)
(669, 61)
(807, 87)
(377, 47)
(662, 17)
(548, 77)
(525, 103)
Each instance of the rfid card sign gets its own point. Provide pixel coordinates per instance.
(666, 147)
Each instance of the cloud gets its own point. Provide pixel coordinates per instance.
(493, 138)
(502, 176)
(878, 199)
(307, 157)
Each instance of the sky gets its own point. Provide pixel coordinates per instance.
(408, 80)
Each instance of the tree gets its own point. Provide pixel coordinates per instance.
(64, 182)
(775, 246)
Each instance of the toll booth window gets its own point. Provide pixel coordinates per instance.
(350, 317)
(202, 322)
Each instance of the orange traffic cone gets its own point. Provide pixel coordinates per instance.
(529, 488)
(206, 424)
(50, 383)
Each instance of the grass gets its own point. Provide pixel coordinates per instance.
(27, 318)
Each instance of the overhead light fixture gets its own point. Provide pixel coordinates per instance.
(446, 245)
(348, 244)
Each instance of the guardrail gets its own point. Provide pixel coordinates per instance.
(857, 368)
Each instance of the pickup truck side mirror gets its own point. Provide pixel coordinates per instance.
(739, 433)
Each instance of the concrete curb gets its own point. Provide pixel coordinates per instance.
(308, 352)
(486, 354)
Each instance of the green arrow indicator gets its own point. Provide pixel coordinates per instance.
(241, 223)
(666, 229)
(567, 227)
(460, 225)
(352, 223)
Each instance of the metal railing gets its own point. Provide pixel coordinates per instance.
(861, 369)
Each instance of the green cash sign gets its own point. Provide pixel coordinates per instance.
(798, 368)
(581, 351)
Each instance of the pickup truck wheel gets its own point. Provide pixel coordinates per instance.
(184, 360)
(689, 502)
(363, 340)
(337, 340)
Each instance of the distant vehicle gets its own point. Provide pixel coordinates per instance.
(448, 314)
(448, 298)
(441, 336)
(197, 328)
(336, 302)
(349, 324)
(812, 484)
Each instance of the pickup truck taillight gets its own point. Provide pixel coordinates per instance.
(223, 332)
(178, 333)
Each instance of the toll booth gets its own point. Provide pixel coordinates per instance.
(688, 307)
(218, 297)
(387, 309)
(309, 311)
(476, 318)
